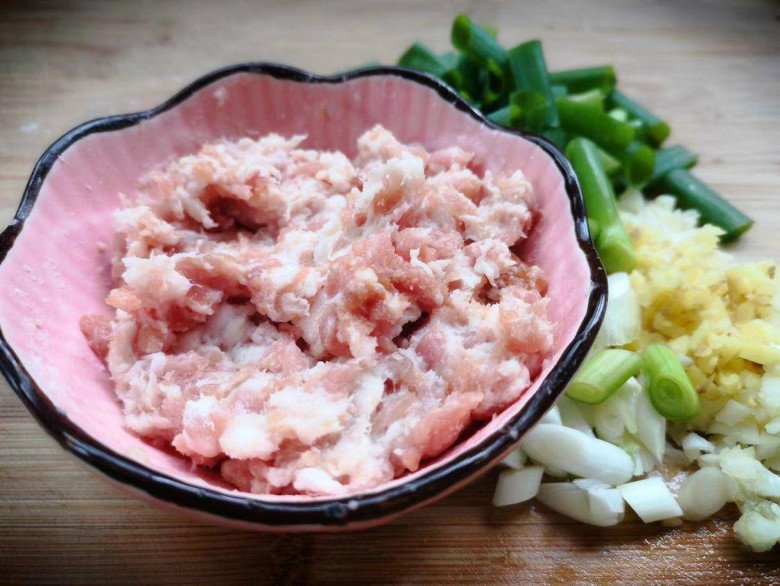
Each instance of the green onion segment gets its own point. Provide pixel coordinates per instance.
(422, 58)
(582, 80)
(691, 193)
(669, 388)
(656, 129)
(514, 89)
(613, 244)
(529, 73)
(602, 374)
(476, 42)
(668, 159)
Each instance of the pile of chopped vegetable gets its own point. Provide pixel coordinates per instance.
(684, 375)
(705, 393)
(613, 141)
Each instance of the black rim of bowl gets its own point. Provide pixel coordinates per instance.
(349, 509)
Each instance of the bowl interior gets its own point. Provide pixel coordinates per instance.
(57, 269)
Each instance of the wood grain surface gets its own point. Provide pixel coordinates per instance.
(712, 69)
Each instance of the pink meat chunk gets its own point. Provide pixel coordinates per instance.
(310, 324)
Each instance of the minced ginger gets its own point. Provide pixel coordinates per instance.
(722, 316)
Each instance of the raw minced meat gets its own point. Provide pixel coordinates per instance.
(311, 324)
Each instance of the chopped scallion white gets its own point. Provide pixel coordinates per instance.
(651, 499)
(651, 427)
(574, 452)
(606, 506)
(565, 498)
(622, 321)
(517, 486)
(572, 415)
(515, 459)
(555, 472)
(590, 483)
(617, 415)
(644, 461)
(552, 416)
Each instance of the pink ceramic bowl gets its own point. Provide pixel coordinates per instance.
(54, 270)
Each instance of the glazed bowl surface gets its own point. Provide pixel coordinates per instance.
(54, 268)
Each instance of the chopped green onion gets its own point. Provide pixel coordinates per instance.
(368, 64)
(468, 70)
(603, 374)
(571, 104)
(593, 228)
(618, 114)
(611, 164)
(529, 72)
(638, 162)
(611, 135)
(534, 108)
(422, 58)
(641, 131)
(476, 42)
(508, 116)
(582, 80)
(557, 136)
(691, 193)
(467, 96)
(494, 85)
(613, 244)
(615, 248)
(619, 184)
(455, 78)
(559, 91)
(450, 59)
(491, 30)
(525, 110)
(669, 388)
(657, 130)
(676, 157)
(593, 98)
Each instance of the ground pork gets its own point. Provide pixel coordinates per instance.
(311, 324)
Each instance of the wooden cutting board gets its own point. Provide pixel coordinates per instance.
(711, 69)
